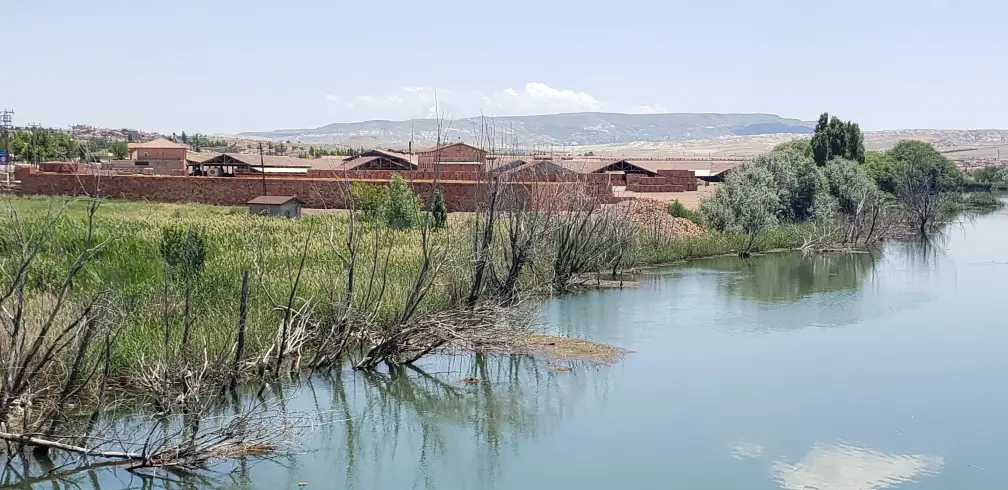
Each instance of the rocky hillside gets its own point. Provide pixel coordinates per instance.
(586, 128)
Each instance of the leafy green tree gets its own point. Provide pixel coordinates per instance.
(119, 149)
(995, 176)
(834, 138)
(744, 204)
(926, 182)
(798, 182)
(880, 168)
(402, 208)
(439, 213)
(944, 174)
(801, 145)
(368, 198)
(851, 185)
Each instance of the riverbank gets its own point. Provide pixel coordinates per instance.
(129, 268)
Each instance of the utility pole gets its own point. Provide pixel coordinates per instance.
(8, 156)
(262, 168)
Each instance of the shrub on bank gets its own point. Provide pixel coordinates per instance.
(394, 204)
(679, 210)
(982, 201)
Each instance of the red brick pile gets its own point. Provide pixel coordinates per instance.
(649, 215)
(666, 181)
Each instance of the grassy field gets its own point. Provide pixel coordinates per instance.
(130, 268)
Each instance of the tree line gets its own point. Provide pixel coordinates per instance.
(830, 178)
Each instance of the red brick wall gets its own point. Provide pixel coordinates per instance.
(447, 175)
(235, 191)
(666, 181)
(387, 175)
(457, 153)
(159, 154)
(65, 167)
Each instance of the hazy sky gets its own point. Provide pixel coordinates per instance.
(226, 66)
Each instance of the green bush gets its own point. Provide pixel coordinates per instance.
(745, 204)
(677, 209)
(850, 185)
(799, 184)
(881, 169)
(983, 201)
(996, 176)
(439, 214)
(368, 198)
(919, 157)
(401, 209)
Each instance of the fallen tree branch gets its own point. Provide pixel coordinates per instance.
(39, 442)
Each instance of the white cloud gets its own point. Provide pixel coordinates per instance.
(532, 98)
(539, 98)
(651, 109)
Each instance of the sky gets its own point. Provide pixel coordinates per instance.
(226, 66)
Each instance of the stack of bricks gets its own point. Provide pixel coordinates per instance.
(666, 181)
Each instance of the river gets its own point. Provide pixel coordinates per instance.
(839, 372)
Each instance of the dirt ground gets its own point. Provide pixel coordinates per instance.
(690, 199)
(562, 349)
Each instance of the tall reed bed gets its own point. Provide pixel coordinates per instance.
(132, 270)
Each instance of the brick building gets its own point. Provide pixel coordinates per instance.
(159, 149)
(378, 159)
(456, 157)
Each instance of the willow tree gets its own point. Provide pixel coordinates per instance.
(745, 204)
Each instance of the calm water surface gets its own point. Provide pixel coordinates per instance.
(853, 372)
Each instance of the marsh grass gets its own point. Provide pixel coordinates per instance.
(130, 268)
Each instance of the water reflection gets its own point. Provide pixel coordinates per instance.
(843, 467)
(454, 420)
(791, 276)
(743, 450)
(449, 424)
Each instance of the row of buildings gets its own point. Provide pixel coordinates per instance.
(163, 156)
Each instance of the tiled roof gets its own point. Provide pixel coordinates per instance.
(273, 200)
(158, 143)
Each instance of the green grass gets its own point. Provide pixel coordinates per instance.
(783, 236)
(130, 269)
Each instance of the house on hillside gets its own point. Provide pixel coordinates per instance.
(161, 156)
(455, 157)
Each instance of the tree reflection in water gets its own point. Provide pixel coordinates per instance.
(452, 427)
(404, 426)
(790, 276)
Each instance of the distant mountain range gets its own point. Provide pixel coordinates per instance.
(584, 128)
